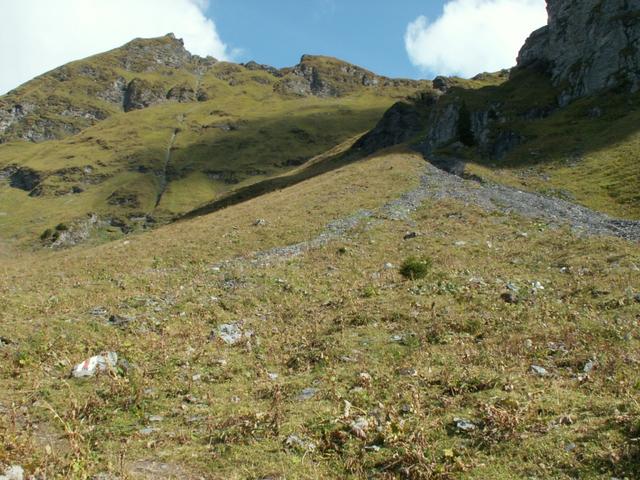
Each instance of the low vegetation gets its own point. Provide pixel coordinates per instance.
(344, 368)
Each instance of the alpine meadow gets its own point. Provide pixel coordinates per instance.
(218, 270)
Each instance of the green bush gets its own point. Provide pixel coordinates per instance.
(414, 268)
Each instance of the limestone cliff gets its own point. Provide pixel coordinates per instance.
(587, 46)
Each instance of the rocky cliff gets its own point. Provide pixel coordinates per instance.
(147, 72)
(588, 46)
(73, 97)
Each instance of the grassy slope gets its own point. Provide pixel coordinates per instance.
(471, 352)
(243, 134)
(592, 160)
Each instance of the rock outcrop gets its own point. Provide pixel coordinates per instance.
(142, 94)
(329, 77)
(75, 96)
(588, 46)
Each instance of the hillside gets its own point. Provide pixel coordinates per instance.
(350, 369)
(134, 137)
(563, 122)
(348, 276)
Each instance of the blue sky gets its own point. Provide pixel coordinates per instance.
(368, 33)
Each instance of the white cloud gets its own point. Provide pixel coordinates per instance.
(39, 35)
(473, 36)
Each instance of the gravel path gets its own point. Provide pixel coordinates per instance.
(437, 184)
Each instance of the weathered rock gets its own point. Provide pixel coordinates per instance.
(294, 442)
(181, 93)
(142, 94)
(23, 178)
(15, 472)
(589, 46)
(307, 394)
(231, 333)
(398, 124)
(329, 77)
(266, 68)
(464, 425)
(540, 371)
(509, 297)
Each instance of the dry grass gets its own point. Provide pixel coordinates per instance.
(434, 349)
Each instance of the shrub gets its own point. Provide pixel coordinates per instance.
(414, 268)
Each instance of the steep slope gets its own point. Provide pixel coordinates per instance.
(562, 122)
(515, 356)
(174, 131)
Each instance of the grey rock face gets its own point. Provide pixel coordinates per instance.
(182, 93)
(328, 77)
(144, 56)
(142, 94)
(588, 46)
(267, 68)
(398, 124)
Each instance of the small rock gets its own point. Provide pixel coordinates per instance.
(235, 399)
(15, 472)
(397, 338)
(98, 312)
(536, 286)
(390, 266)
(197, 377)
(459, 243)
(588, 366)
(540, 371)
(230, 333)
(148, 430)
(307, 394)
(528, 343)
(464, 425)
(120, 320)
(410, 235)
(408, 372)
(569, 447)
(260, 222)
(156, 418)
(373, 448)
(296, 443)
(509, 297)
(272, 376)
(513, 287)
(637, 298)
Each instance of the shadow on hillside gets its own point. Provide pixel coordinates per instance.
(315, 168)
